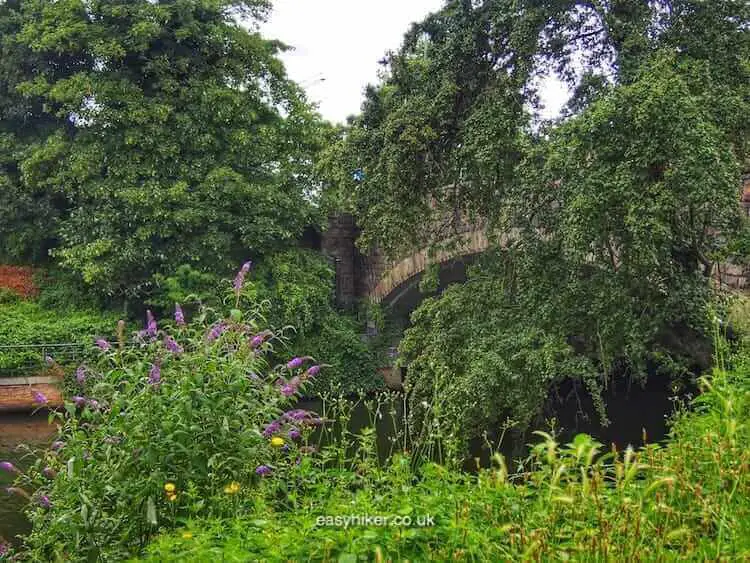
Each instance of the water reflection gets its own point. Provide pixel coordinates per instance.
(16, 430)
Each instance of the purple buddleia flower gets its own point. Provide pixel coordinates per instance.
(179, 317)
(271, 429)
(288, 390)
(9, 467)
(79, 401)
(4, 549)
(262, 470)
(313, 371)
(49, 473)
(296, 414)
(93, 404)
(216, 331)
(171, 345)
(259, 339)
(44, 502)
(40, 398)
(239, 279)
(151, 327)
(57, 446)
(294, 363)
(103, 344)
(294, 434)
(154, 375)
(81, 375)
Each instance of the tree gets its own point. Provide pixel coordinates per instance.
(183, 140)
(620, 209)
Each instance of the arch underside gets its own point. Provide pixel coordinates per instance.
(404, 274)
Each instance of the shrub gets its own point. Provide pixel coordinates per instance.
(298, 287)
(171, 425)
(688, 500)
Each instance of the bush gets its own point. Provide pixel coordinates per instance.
(26, 322)
(688, 500)
(297, 286)
(172, 425)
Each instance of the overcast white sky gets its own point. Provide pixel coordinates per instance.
(342, 41)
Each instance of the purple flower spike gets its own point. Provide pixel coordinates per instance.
(44, 502)
(256, 341)
(150, 324)
(81, 375)
(171, 345)
(262, 470)
(103, 344)
(179, 317)
(239, 279)
(40, 398)
(154, 376)
(294, 434)
(49, 473)
(288, 390)
(57, 446)
(4, 549)
(313, 371)
(79, 401)
(294, 363)
(9, 467)
(216, 331)
(296, 414)
(272, 429)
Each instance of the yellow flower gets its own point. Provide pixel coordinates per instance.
(170, 488)
(171, 497)
(232, 488)
(277, 442)
(187, 536)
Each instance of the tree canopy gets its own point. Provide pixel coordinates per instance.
(142, 135)
(621, 207)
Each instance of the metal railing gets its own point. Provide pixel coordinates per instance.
(19, 360)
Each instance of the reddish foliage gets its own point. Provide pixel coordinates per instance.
(19, 279)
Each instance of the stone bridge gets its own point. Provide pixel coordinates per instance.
(375, 278)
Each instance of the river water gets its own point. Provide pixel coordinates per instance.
(15, 431)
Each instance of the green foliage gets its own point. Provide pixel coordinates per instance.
(687, 500)
(171, 136)
(26, 322)
(166, 426)
(186, 286)
(61, 290)
(476, 357)
(614, 216)
(299, 287)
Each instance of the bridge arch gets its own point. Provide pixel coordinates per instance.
(396, 276)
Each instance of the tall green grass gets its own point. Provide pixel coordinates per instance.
(688, 499)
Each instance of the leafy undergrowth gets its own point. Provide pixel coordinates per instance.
(689, 499)
(28, 322)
